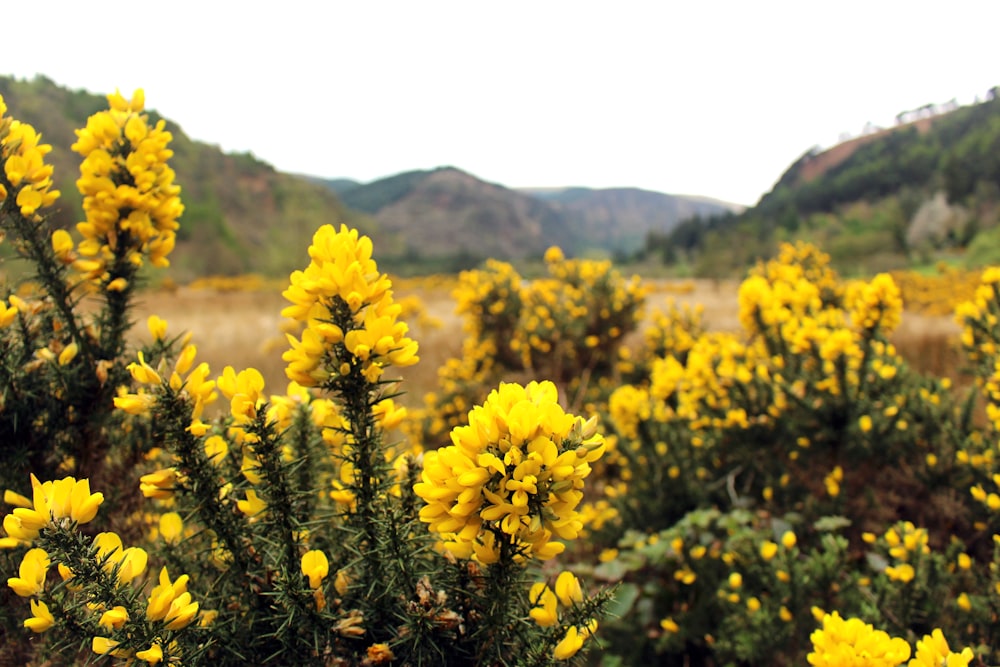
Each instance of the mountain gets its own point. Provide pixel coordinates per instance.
(927, 189)
(241, 215)
(621, 218)
(338, 185)
(446, 212)
(450, 219)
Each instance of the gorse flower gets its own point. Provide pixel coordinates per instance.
(31, 574)
(315, 566)
(22, 157)
(129, 195)
(41, 618)
(348, 311)
(514, 476)
(853, 643)
(65, 499)
(933, 651)
(170, 602)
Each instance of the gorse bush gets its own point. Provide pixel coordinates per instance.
(295, 528)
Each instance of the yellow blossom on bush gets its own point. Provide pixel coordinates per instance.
(22, 157)
(348, 310)
(933, 651)
(315, 566)
(514, 475)
(170, 602)
(64, 499)
(842, 642)
(31, 573)
(129, 195)
(41, 618)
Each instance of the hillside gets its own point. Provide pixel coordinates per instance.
(447, 213)
(621, 218)
(449, 219)
(920, 192)
(241, 214)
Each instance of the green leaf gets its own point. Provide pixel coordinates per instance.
(624, 597)
(830, 524)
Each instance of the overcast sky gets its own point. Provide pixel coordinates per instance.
(707, 98)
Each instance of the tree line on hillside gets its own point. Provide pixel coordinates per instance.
(892, 174)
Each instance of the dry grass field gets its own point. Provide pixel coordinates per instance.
(243, 328)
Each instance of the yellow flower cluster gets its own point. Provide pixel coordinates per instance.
(348, 311)
(24, 176)
(513, 477)
(905, 544)
(936, 295)
(853, 643)
(64, 501)
(546, 603)
(875, 305)
(129, 196)
(186, 378)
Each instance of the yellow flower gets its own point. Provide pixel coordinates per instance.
(130, 563)
(171, 527)
(963, 602)
(933, 651)
(245, 392)
(315, 566)
(7, 314)
(570, 644)
(129, 196)
(853, 642)
(788, 539)
(160, 484)
(113, 618)
(545, 603)
(157, 327)
(153, 655)
(865, 423)
(41, 618)
(342, 298)
(516, 470)
(68, 354)
(903, 572)
(253, 505)
(31, 573)
(670, 625)
(143, 372)
(105, 646)
(170, 602)
(568, 589)
(67, 498)
(735, 580)
(768, 550)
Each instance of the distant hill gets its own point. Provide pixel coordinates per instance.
(241, 215)
(927, 189)
(448, 218)
(338, 185)
(446, 212)
(621, 218)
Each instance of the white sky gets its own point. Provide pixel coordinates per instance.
(685, 97)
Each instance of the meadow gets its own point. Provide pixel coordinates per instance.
(240, 324)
